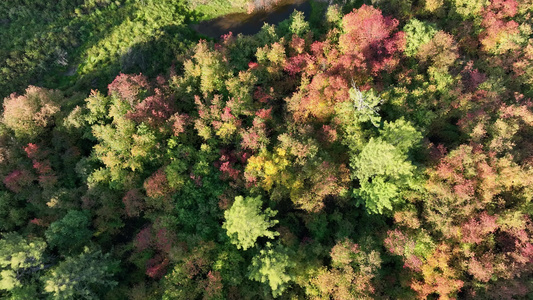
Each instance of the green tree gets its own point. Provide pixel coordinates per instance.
(401, 134)
(366, 105)
(298, 25)
(417, 34)
(19, 260)
(81, 277)
(272, 266)
(245, 222)
(71, 232)
(381, 169)
(12, 212)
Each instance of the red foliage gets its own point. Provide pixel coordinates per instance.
(330, 180)
(497, 29)
(324, 91)
(161, 242)
(261, 95)
(265, 114)
(226, 165)
(32, 151)
(47, 180)
(297, 44)
(508, 290)
(351, 275)
(253, 65)
(226, 115)
(341, 253)
(296, 64)
(481, 270)
(255, 137)
(369, 36)
(38, 222)
(128, 87)
(472, 78)
(476, 228)
(195, 265)
(154, 110)
(17, 180)
(213, 285)
(42, 167)
(179, 123)
(442, 51)
(156, 267)
(438, 276)
(329, 133)
(143, 240)
(156, 186)
(463, 182)
(397, 242)
(413, 262)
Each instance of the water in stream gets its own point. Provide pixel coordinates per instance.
(251, 23)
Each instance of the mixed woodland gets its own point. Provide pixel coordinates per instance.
(370, 150)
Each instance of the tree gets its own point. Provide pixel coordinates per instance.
(366, 106)
(207, 68)
(71, 232)
(13, 211)
(123, 145)
(467, 9)
(500, 35)
(20, 259)
(272, 266)
(417, 34)
(195, 276)
(440, 52)
(351, 273)
(382, 167)
(246, 221)
(438, 275)
(298, 25)
(30, 114)
(370, 40)
(381, 170)
(84, 276)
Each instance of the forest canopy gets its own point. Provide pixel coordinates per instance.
(360, 150)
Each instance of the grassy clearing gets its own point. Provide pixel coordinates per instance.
(216, 8)
(83, 45)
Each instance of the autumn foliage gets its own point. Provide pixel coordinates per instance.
(357, 152)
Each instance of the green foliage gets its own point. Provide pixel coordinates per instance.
(215, 8)
(417, 34)
(246, 221)
(12, 211)
(366, 106)
(381, 169)
(467, 9)
(401, 134)
(86, 43)
(362, 107)
(272, 266)
(71, 232)
(20, 259)
(207, 67)
(296, 24)
(122, 144)
(85, 276)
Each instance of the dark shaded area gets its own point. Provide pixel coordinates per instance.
(249, 24)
